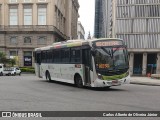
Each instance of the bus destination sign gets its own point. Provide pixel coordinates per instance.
(107, 43)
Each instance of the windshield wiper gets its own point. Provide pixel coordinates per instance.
(108, 52)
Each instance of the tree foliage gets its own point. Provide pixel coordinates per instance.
(5, 61)
(2, 57)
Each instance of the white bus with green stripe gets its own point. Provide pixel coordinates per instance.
(93, 63)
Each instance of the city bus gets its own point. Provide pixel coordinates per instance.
(93, 63)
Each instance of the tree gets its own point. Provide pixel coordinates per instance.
(6, 61)
(12, 62)
(2, 57)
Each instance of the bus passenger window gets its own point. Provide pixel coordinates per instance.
(57, 58)
(75, 56)
(65, 53)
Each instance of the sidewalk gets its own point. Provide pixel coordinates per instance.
(27, 74)
(145, 81)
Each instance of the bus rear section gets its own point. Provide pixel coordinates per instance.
(70, 64)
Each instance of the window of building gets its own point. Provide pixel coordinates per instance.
(42, 40)
(13, 15)
(126, 1)
(64, 24)
(27, 15)
(154, 11)
(13, 53)
(27, 53)
(27, 40)
(0, 16)
(42, 15)
(56, 14)
(13, 40)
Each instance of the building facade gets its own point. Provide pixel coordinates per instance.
(137, 23)
(28, 24)
(74, 21)
(81, 32)
(103, 15)
(98, 18)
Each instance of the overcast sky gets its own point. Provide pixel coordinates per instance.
(86, 12)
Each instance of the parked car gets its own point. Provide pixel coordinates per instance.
(12, 71)
(1, 69)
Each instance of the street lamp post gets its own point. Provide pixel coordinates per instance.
(17, 53)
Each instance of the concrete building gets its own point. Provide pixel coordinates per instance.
(98, 19)
(137, 23)
(27, 24)
(81, 32)
(103, 15)
(74, 18)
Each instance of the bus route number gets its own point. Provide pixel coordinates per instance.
(103, 66)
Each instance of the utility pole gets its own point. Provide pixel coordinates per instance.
(17, 58)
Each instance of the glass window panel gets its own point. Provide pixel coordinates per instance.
(27, 40)
(41, 40)
(13, 16)
(13, 40)
(42, 16)
(28, 53)
(27, 16)
(13, 53)
(0, 16)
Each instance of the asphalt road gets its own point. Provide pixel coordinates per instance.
(29, 93)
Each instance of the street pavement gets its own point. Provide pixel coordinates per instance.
(134, 80)
(29, 93)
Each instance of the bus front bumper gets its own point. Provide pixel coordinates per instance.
(106, 83)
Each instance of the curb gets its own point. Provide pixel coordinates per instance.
(27, 73)
(145, 83)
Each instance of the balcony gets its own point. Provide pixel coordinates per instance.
(33, 28)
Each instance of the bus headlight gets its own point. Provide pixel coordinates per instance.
(127, 73)
(100, 76)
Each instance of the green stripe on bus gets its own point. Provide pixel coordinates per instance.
(115, 77)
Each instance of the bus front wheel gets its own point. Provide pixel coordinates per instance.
(48, 77)
(78, 81)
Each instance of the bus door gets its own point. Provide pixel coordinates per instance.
(38, 56)
(86, 56)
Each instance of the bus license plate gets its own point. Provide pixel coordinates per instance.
(114, 82)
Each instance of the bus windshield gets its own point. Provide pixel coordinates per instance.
(111, 60)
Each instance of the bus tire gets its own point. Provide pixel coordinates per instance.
(78, 81)
(14, 74)
(1, 74)
(48, 76)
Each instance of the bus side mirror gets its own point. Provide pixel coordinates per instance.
(93, 51)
